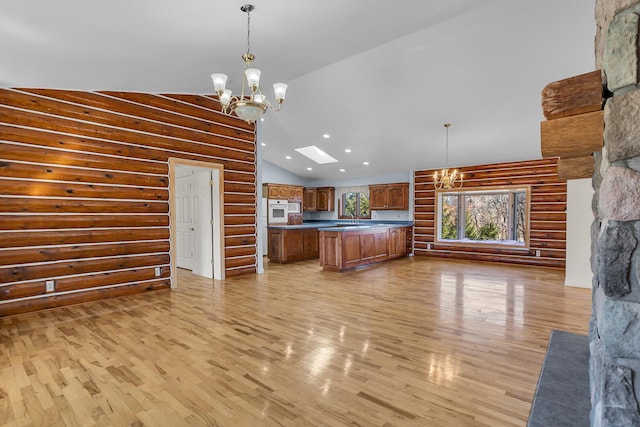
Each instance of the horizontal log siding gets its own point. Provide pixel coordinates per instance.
(547, 217)
(84, 191)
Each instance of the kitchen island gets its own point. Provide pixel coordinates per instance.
(347, 247)
(334, 242)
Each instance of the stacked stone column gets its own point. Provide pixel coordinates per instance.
(615, 323)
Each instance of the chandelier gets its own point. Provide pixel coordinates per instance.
(447, 180)
(249, 107)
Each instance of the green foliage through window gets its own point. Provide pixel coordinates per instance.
(449, 217)
(355, 205)
(494, 216)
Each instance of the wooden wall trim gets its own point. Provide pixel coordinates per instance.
(547, 218)
(85, 191)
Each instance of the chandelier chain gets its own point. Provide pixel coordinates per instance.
(446, 158)
(248, 31)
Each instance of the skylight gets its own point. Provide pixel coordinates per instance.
(316, 154)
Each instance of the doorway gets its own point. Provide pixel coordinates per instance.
(196, 191)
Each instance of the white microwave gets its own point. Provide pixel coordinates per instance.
(294, 207)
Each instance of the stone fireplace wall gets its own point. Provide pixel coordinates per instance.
(615, 322)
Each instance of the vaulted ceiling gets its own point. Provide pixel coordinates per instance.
(380, 77)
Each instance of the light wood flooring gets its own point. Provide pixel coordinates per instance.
(409, 342)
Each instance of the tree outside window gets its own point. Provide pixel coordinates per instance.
(484, 216)
(355, 205)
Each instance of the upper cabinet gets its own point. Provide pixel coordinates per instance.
(325, 199)
(275, 191)
(310, 196)
(389, 196)
(319, 199)
(292, 193)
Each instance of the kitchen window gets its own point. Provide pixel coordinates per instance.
(355, 205)
(484, 216)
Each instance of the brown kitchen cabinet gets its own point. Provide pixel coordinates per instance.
(319, 199)
(292, 193)
(397, 242)
(325, 198)
(364, 247)
(289, 245)
(389, 196)
(295, 219)
(295, 193)
(275, 191)
(342, 250)
(310, 200)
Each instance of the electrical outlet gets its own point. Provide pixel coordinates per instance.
(537, 252)
(50, 285)
(158, 271)
(428, 246)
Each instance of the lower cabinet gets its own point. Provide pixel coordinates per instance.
(343, 250)
(292, 245)
(397, 242)
(295, 219)
(364, 248)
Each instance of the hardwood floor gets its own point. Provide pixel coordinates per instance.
(414, 341)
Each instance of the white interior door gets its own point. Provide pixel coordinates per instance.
(202, 222)
(184, 222)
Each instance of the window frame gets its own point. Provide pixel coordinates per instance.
(513, 189)
(341, 214)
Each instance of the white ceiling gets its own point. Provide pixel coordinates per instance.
(381, 77)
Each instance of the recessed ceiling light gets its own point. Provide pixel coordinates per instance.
(287, 157)
(365, 163)
(262, 119)
(326, 136)
(309, 169)
(316, 154)
(348, 150)
(264, 144)
(342, 170)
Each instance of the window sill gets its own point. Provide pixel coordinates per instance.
(506, 244)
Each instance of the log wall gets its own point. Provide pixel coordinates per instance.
(547, 222)
(84, 191)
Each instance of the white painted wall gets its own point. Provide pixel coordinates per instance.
(579, 218)
(406, 176)
(272, 174)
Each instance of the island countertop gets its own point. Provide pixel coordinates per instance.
(343, 225)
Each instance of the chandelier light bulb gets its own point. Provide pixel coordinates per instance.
(225, 97)
(280, 90)
(219, 82)
(253, 78)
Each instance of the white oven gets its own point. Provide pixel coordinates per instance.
(278, 211)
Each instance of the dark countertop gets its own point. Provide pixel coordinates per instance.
(343, 225)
